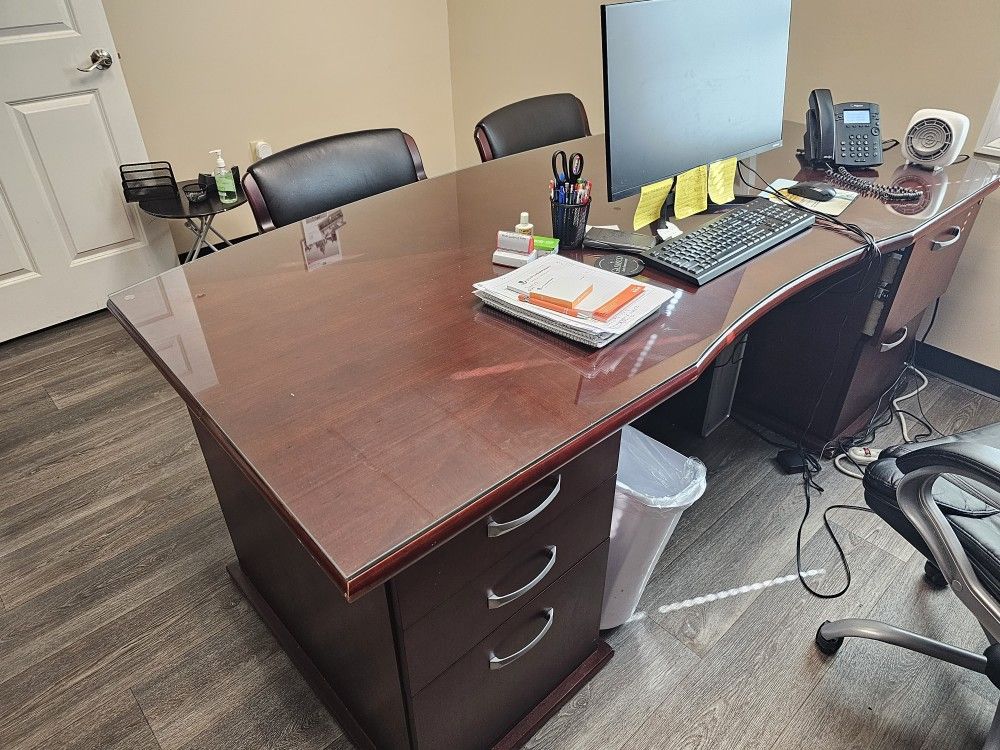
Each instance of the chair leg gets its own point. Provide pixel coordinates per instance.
(831, 635)
(993, 738)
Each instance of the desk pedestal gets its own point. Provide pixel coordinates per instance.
(362, 658)
(815, 366)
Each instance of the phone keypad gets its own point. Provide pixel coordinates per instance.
(857, 146)
(859, 143)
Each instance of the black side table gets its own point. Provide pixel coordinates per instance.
(197, 216)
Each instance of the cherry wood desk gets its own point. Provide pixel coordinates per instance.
(418, 489)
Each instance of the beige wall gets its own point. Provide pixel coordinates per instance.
(285, 73)
(517, 62)
(901, 64)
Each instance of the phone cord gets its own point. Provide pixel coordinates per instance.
(871, 189)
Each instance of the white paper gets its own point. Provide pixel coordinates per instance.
(670, 230)
(498, 292)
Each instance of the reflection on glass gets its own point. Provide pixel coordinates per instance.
(166, 316)
(933, 185)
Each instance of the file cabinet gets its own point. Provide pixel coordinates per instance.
(472, 646)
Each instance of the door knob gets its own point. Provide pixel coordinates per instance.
(101, 60)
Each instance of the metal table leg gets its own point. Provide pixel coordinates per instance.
(200, 227)
(216, 232)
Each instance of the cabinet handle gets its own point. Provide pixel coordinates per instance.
(883, 347)
(499, 662)
(494, 528)
(954, 232)
(496, 601)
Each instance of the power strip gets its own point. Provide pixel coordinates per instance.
(863, 455)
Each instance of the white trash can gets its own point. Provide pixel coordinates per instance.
(655, 485)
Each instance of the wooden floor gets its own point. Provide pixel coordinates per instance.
(119, 627)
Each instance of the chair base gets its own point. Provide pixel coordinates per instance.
(830, 637)
(831, 633)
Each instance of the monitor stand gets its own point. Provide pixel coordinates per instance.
(742, 192)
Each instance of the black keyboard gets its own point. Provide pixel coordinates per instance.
(734, 238)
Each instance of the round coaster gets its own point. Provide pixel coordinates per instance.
(620, 264)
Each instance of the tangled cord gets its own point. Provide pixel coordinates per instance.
(871, 189)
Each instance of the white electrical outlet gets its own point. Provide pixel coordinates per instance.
(260, 149)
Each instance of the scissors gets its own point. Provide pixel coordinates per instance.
(567, 171)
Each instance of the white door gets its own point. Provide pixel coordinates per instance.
(67, 237)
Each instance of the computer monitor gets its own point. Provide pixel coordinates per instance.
(689, 82)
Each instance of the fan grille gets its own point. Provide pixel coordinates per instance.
(929, 139)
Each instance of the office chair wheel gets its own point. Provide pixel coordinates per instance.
(828, 646)
(934, 577)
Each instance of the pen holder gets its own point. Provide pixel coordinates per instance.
(569, 223)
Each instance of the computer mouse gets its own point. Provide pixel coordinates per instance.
(817, 191)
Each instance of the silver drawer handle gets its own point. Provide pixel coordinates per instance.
(956, 235)
(883, 347)
(499, 529)
(497, 662)
(497, 601)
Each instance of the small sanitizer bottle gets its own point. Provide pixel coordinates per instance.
(224, 181)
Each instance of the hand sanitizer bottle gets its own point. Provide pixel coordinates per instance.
(224, 181)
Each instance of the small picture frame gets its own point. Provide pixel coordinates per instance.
(321, 239)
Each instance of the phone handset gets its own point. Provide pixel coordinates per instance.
(821, 127)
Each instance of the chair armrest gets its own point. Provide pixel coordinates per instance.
(976, 461)
(921, 468)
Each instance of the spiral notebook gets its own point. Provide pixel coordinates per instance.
(507, 293)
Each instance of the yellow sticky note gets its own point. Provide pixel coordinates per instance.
(692, 192)
(721, 176)
(651, 200)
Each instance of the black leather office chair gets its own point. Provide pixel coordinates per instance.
(320, 175)
(943, 496)
(531, 123)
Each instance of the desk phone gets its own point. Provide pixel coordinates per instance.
(843, 135)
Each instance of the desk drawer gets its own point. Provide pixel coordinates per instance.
(477, 700)
(492, 597)
(430, 581)
(927, 270)
(876, 369)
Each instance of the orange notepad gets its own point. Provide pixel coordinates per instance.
(619, 301)
(562, 292)
(551, 306)
(602, 313)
